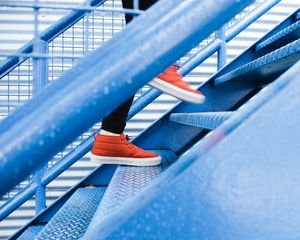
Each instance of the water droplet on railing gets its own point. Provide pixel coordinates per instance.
(52, 134)
(106, 90)
(41, 142)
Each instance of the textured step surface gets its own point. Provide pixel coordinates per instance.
(290, 33)
(71, 221)
(31, 232)
(274, 62)
(126, 183)
(207, 120)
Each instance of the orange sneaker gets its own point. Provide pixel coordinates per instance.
(171, 82)
(118, 150)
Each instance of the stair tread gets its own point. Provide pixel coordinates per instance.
(264, 61)
(71, 221)
(295, 27)
(207, 120)
(31, 232)
(127, 182)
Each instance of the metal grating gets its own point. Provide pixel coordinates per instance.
(72, 220)
(126, 183)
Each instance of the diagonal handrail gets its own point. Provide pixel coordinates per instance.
(138, 105)
(48, 35)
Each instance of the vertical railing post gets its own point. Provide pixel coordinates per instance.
(40, 67)
(87, 34)
(136, 5)
(40, 78)
(222, 52)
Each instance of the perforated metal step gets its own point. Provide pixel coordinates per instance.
(271, 64)
(126, 183)
(71, 221)
(207, 120)
(31, 232)
(289, 34)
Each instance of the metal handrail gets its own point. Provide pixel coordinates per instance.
(47, 35)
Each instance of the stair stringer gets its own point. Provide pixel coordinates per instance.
(245, 187)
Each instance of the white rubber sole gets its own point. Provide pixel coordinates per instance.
(138, 162)
(176, 91)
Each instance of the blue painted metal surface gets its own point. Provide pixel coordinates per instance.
(250, 54)
(49, 175)
(31, 232)
(100, 177)
(71, 221)
(222, 53)
(85, 145)
(72, 158)
(125, 184)
(269, 64)
(138, 105)
(164, 134)
(250, 18)
(74, 104)
(40, 79)
(207, 120)
(293, 30)
(230, 95)
(40, 67)
(84, 8)
(48, 35)
(16, 201)
(61, 169)
(240, 184)
(203, 54)
(224, 97)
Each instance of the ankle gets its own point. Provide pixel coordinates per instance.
(107, 133)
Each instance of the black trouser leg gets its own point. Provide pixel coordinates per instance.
(116, 121)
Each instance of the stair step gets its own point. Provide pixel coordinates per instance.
(126, 183)
(289, 34)
(207, 120)
(71, 221)
(270, 64)
(31, 232)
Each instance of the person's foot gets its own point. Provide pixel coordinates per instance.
(171, 82)
(118, 150)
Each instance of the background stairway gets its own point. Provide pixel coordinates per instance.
(287, 56)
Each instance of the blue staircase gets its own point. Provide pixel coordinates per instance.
(229, 167)
(213, 192)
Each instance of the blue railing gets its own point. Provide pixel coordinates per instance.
(44, 177)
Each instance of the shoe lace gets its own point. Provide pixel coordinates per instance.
(127, 137)
(176, 78)
(127, 142)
